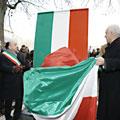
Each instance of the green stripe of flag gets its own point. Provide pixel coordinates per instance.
(43, 37)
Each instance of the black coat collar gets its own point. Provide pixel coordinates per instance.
(114, 43)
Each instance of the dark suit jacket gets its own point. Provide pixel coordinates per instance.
(11, 84)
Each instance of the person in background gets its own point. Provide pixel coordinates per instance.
(31, 57)
(93, 54)
(109, 87)
(7, 45)
(97, 51)
(102, 50)
(12, 81)
(23, 56)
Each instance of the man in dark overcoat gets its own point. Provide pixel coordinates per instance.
(109, 88)
(11, 81)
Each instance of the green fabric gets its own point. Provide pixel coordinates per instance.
(43, 36)
(49, 91)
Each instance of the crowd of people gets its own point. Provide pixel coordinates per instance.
(94, 52)
(13, 63)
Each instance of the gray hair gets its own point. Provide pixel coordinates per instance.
(115, 29)
(12, 42)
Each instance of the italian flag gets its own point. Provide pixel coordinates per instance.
(61, 29)
(59, 93)
(53, 31)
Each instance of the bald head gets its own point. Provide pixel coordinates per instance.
(13, 46)
(112, 33)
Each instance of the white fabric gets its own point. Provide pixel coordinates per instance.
(60, 32)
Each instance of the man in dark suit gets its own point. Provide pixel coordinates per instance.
(11, 81)
(109, 88)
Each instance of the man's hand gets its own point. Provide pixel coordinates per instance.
(100, 61)
(17, 69)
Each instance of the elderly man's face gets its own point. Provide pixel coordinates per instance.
(108, 36)
(13, 46)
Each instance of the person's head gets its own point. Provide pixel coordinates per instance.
(13, 46)
(23, 49)
(93, 51)
(112, 32)
(27, 50)
(98, 49)
(31, 53)
(23, 46)
(7, 45)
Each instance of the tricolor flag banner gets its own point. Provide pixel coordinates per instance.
(58, 93)
(55, 30)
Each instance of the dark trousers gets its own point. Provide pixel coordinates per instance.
(17, 109)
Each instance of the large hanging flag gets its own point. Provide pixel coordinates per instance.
(55, 30)
(56, 93)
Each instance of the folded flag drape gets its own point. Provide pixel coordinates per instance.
(56, 93)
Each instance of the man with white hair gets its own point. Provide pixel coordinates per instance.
(109, 88)
(12, 81)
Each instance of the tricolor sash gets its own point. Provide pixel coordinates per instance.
(11, 57)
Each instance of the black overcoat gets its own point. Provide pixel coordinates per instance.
(109, 89)
(11, 83)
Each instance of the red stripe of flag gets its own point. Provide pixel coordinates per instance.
(87, 109)
(78, 33)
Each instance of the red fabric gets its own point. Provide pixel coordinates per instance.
(61, 57)
(87, 109)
